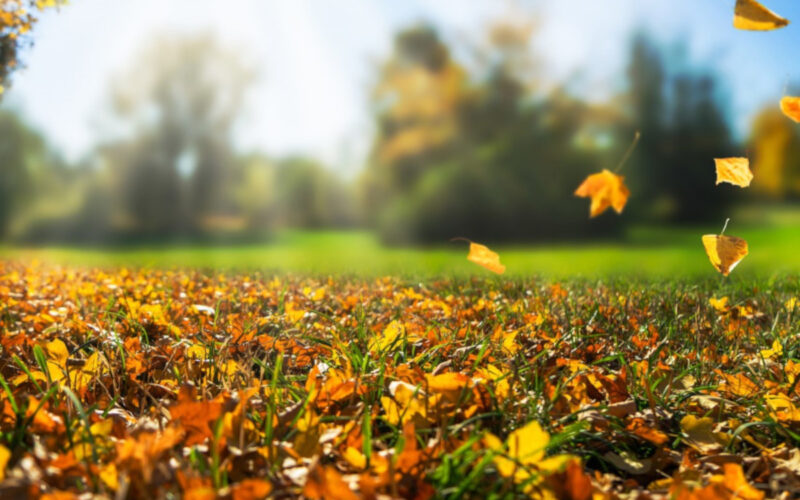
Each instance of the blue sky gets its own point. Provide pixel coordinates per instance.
(316, 58)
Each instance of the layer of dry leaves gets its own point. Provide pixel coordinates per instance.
(145, 384)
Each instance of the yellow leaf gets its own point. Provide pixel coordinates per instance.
(355, 458)
(791, 304)
(720, 304)
(724, 252)
(701, 435)
(392, 333)
(482, 256)
(57, 351)
(5, 455)
(791, 107)
(527, 444)
(777, 350)
(606, 189)
(751, 15)
(782, 408)
(447, 382)
(734, 171)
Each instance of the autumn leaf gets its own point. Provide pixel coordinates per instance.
(734, 171)
(324, 483)
(701, 435)
(724, 252)
(790, 106)
(196, 417)
(251, 489)
(752, 16)
(482, 256)
(5, 455)
(606, 189)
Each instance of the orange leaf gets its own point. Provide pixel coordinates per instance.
(724, 252)
(751, 15)
(196, 417)
(251, 489)
(482, 256)
(791, 107)
(606, 189)
(734, 480)
(324, 483)
(734, 171)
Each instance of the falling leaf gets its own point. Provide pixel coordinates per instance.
(734, 171)
(482, 256)
(724, 252)
(791, 107)
(606, 189)
(751, 15)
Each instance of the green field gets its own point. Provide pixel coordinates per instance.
(645, 252)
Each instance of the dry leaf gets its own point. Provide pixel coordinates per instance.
(606, 189)
(734, 171)
(724, 252)
(751, 15)
(482, 256)
(791, 107)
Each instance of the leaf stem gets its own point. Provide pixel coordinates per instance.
(725, 226)
(627, 155)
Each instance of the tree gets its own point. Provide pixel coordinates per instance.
(17, 18)
(176, 108)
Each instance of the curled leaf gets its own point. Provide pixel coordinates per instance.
(790, 106)
(724, 252)
(734, 171)
(481, 255)
(606, 189)
(752, 16)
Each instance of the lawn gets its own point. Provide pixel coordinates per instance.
(645, 252)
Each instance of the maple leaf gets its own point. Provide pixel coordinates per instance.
(481, 255)
(606, 189)
(790, 106)
(196, 417)
(751, 15)
(734, 171)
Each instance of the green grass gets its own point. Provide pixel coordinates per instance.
(646, 252)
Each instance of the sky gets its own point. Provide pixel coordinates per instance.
(316, 59)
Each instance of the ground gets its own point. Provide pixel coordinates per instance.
(240, 384)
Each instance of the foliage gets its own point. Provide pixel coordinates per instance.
(17, 18)
(181, 383)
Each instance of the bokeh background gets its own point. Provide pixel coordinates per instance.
(314, 133)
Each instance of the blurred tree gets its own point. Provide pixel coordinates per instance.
(776, 150)
(24, 158)
(478, 156)
(309, 196)
(175, 109)
(677, 109)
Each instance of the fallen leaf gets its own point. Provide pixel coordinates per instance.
(752, 16)
(700, 434)
(482, 256)
(606, 189)
(4, 456)
(791, 107)
(734, 171)
(724, 252)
